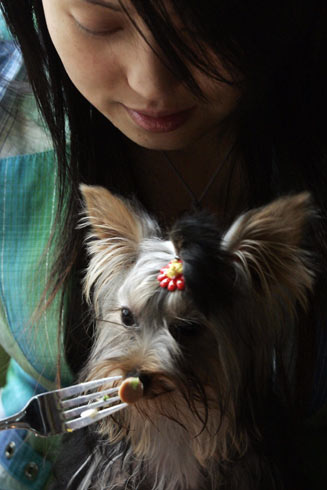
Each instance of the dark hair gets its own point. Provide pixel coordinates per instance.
(277, 47)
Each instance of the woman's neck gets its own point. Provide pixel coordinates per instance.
(207, 174)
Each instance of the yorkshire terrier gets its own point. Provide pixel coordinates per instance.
(207, 320)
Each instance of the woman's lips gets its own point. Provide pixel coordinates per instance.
(160, 122)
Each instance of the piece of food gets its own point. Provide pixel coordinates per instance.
(91, 412)
(131, 390)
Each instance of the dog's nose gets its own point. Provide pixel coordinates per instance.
(145, 378)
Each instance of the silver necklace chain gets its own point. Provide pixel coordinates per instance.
(197, 201)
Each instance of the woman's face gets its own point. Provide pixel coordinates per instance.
(115, 69)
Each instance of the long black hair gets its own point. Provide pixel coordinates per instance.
(276, 48)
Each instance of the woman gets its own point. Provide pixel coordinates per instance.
(212, 104)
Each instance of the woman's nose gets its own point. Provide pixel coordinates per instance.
(148, 75)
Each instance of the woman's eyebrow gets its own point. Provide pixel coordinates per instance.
(105, 3)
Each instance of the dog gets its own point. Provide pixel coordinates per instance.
(206, 318)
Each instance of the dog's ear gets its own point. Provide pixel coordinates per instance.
(116, 230)
(267, 248)
(111, 216)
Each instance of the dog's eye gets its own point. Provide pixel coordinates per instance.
(179, 330)
(127, 317)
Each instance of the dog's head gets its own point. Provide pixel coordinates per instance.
(204, 351)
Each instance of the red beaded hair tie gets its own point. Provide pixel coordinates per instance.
(171, 276)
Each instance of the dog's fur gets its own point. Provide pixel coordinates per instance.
(210, 356)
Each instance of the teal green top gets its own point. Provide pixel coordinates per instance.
(27, 212)
(28, 203)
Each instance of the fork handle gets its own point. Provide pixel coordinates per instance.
(15, 421)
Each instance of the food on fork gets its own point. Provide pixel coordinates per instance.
(91, 412)
(131, 390)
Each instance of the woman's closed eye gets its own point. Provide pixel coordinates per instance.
(97, 21)
(98, 29)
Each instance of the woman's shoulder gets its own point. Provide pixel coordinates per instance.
(22, 130)
(23, 134)
(4, 31)
(11, 62)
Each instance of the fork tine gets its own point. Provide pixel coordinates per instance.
(76, 412)
(80, 400)
(70, 391)
(81, 422)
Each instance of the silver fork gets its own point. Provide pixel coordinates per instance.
(67, 409)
